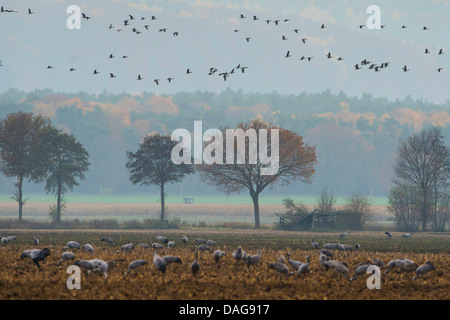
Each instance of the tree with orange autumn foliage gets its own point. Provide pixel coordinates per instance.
(296, 161)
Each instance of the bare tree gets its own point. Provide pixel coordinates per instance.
(440, 206)
(423, 161)
(293, 208)
(405, 202)
(359, 205)
(326, 201)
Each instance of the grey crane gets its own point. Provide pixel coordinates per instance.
(66, 256)
(72, 245)
(156, 245)
(159, 262)
(162, 239)
(134, 265)
(7, 240)
(331, 246)
(296, 264)
(171, 244)
(218, 254)
(172, 259)
(108, 241)
(36, 255)
(85, 264)
(102, 266)
(237, 254)
(195, 266)
(423, 270)
(200, 241)
(406, 235)
(326, 253)
(203, 248)
(396, 263)
(253, 259)
(315, 244)
(88, 247)
(339, 267)
(408, 267)
(303, 269)
(280, 267)
(126, 248)
(360, 270)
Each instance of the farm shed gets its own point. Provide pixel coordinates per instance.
(187, 200)
(316, 219)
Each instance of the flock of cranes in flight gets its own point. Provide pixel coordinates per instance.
(129, 23)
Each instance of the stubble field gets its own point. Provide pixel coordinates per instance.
(21, 279)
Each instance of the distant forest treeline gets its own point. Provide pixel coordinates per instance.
(355, 138)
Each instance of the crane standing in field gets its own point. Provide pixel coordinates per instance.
(126, 248)
(254, 259)
(218, 254)
(195, 266)
(134, 265)
(66, 256)
(423, 270)
(72, 245)
(184, 239)
(36, 255)
(315, 244)
(108, 241)
(159, 262)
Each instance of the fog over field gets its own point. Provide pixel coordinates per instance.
(218, 157)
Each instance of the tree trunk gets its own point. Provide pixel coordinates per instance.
(256, 210)
(58, 203)
(163, 214)
(424, 212)
(20, 195)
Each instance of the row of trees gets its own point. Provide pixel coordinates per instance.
(32, 149)
(152, 163)
(355, 137)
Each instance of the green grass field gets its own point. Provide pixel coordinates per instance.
(207, 210)
(172, 199)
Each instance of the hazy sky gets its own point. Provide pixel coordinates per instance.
(29, 43)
